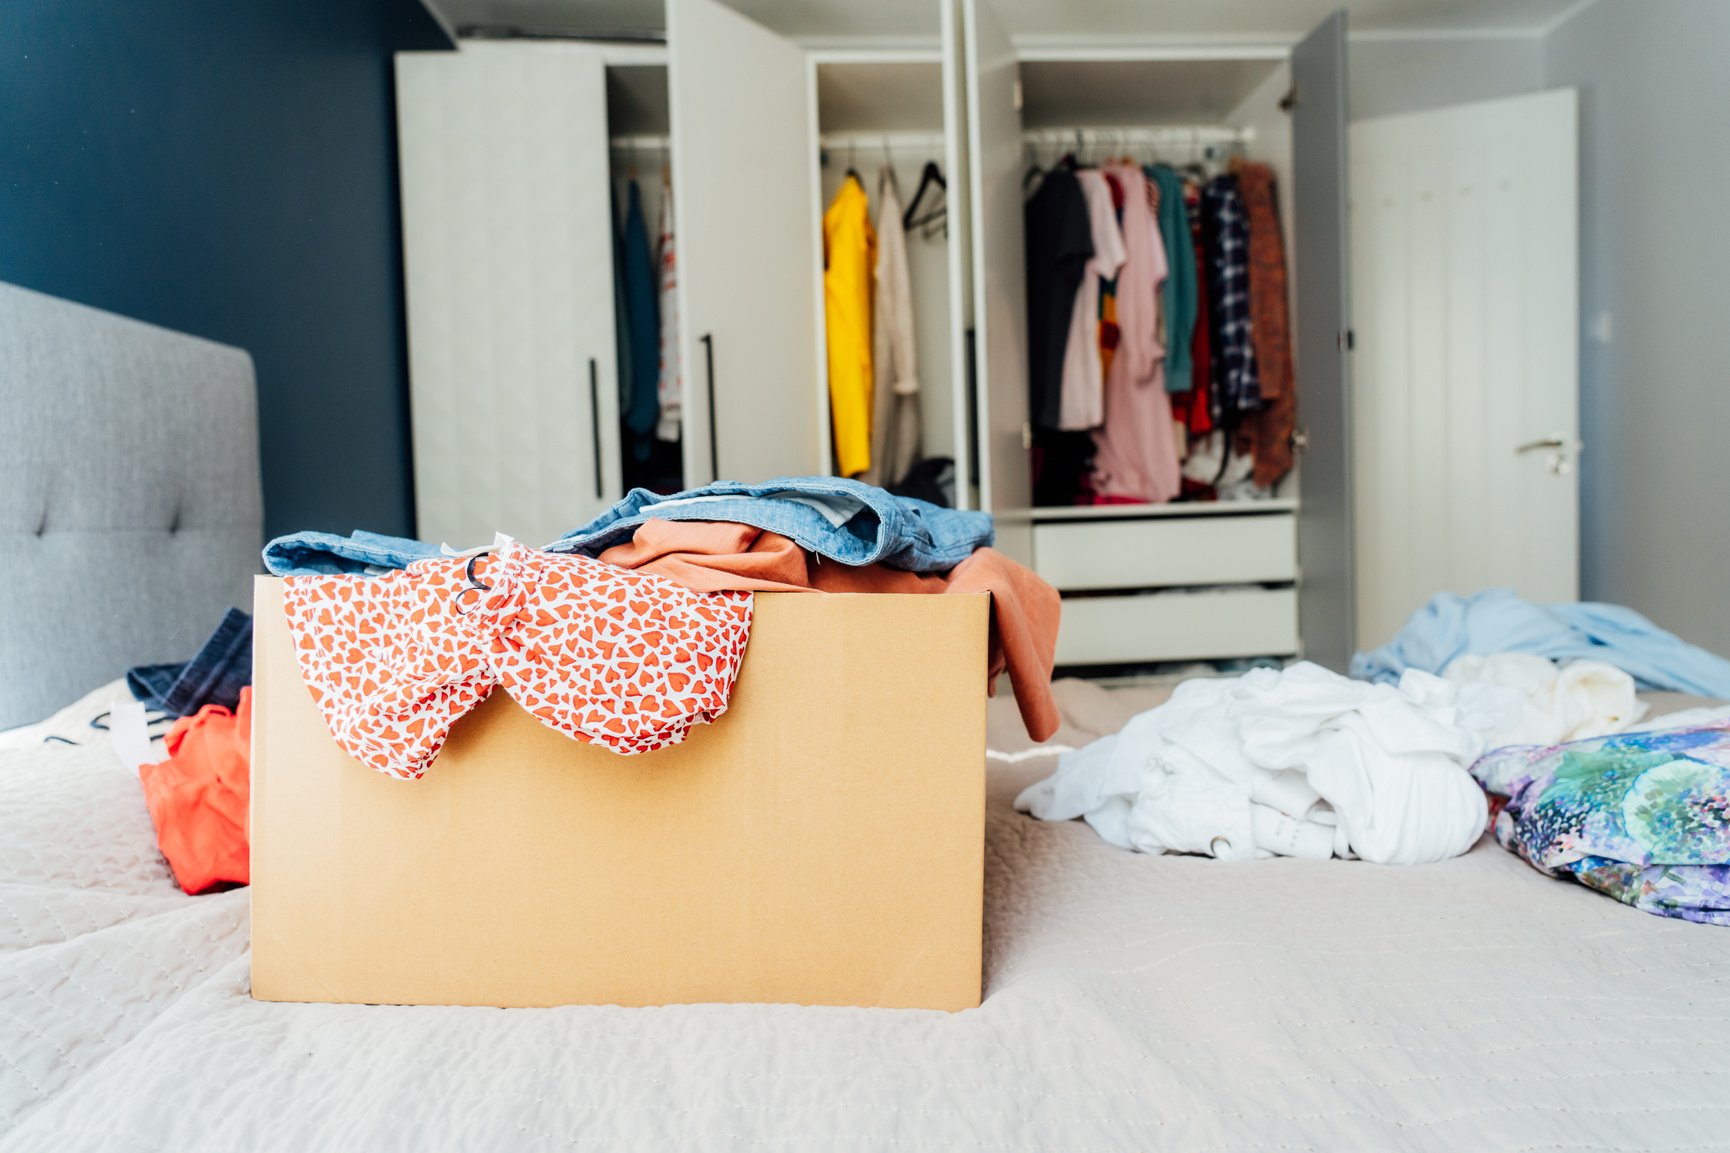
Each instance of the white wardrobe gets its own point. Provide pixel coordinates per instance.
(506, 170)
(1174, 582)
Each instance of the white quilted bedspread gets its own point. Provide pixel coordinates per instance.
(1132, 1003)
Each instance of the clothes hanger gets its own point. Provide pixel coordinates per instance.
(1035, 174)
(886, 177)
(929, 176)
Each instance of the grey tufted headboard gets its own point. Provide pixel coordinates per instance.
(130, 508)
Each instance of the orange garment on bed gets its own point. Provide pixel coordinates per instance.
(198, 796)
(715, 556)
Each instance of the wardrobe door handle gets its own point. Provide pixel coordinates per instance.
(709, 370)
(595, 420)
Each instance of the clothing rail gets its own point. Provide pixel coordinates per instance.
(866, 142)
(1158, 136)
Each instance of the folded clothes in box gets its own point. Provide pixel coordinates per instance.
(821, 842)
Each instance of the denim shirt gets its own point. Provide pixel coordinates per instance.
(843, 520)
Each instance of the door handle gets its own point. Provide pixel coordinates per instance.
(709, 372)
(1560, 448)
(595, 421)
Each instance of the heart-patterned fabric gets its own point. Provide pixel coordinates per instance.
(620, 659)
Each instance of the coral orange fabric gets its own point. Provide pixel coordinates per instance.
(716, 555)
(629, 661)
(198, 797)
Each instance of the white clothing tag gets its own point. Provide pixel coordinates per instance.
(500, 540)
(129, 734)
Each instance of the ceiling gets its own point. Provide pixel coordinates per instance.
(1036, 20)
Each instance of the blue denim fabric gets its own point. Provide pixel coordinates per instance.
(858, 524)
(214, 677)
(326, 554)
(876, 527)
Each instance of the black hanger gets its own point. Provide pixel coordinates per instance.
(911, 219)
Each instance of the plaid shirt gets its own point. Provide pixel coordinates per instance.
(1226, 232)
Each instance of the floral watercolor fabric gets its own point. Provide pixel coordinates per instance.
(1644, 816)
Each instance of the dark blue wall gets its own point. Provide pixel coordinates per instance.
(228, 168)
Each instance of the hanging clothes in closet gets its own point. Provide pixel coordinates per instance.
(1059, 245)
(1136, 457)
(868, 305)
(1233, 351)
(1082, 404)
(639, 403)
(1199, 412)
(1181, 283)
(1059, 241)
(895, 376)
(849, 257)
(1178, 293)
(1266, 435)
(670, 384)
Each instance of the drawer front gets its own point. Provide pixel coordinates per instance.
(1162, 553)
(1178, 627)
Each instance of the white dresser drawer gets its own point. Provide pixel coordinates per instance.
(1250, 622)
(1167, 551)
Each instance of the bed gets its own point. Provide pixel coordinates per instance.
(1131, 1003)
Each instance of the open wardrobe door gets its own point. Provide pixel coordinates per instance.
(958, 205)
(1324, 530)
(748, 313)
(999, 264)
(508, 261)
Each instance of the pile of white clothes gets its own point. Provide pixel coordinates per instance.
(1571, 702)
(1294, 762)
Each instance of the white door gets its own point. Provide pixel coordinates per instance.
(742, 139)
(1466, 382)
(508, 263)
(995, 168)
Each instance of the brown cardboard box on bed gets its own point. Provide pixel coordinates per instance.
(821, 843)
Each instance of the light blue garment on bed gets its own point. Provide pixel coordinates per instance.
(844, 520)
(1499, 621)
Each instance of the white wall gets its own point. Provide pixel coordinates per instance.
(1392, 76)
(1655, 331)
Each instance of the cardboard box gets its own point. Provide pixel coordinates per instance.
(822, 843)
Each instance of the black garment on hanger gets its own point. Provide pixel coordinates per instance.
(1059, 245)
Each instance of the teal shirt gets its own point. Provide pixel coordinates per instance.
(1180, 289)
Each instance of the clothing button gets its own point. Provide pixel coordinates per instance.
(1219, 846)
